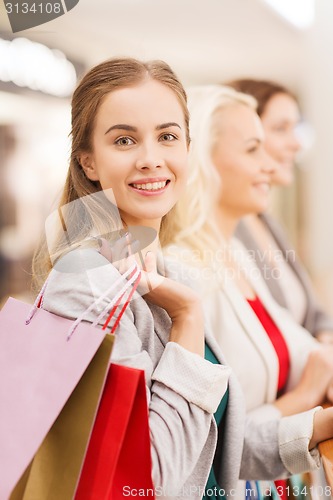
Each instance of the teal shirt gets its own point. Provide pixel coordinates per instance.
(212, 487)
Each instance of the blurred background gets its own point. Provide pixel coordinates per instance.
(209, 41)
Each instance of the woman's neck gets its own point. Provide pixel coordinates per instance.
(144, 232)
(227, 222)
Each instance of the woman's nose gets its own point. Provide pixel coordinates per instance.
(148, 164)
(268, 164)
(149, 158)
(294, 142)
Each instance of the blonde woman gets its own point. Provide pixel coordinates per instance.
(284, 373)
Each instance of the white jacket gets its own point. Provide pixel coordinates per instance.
(250, 353)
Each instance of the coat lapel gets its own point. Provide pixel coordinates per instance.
(253, 329)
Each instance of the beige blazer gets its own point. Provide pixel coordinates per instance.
(248, 350)
(245, 343)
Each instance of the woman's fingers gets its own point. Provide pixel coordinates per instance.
(120, 253)
(123, 248)
(150, 263)
(329, 392)
(325, 337)
(317, 374)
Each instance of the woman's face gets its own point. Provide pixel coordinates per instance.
(279, 119)
(244, 166)
(139, 150)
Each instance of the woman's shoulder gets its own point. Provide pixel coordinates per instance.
(180, 264)
(181, 254)
(86, 255)
(77, 278)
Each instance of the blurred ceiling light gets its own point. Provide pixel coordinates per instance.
(35, 66)
(299, 13)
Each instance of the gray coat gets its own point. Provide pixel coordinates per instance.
(315, 319)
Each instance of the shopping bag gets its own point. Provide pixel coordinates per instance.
(118, 459)
(39, 370)
(54, 471)
(42, 359)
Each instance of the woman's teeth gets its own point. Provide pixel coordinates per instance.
(150, 186)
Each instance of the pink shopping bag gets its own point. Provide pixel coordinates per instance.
(39, 369)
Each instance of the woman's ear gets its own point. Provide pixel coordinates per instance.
(88, 165)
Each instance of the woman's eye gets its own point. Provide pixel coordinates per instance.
(168, 137)
(124, 141)
(254, 149)
(280, 128)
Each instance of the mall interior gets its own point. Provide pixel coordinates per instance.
(204, 42)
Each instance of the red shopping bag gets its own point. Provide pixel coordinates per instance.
(118, 460)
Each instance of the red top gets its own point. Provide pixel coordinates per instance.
(276, 338)
(281, 349)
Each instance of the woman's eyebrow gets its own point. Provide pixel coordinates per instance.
(130, 128)
(167, 125)
(256, 139)
(122, 126)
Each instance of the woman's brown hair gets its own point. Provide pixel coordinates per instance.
(261, 90)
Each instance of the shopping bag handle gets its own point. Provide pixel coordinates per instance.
(134, 279)
(133, 272)
(104, 249)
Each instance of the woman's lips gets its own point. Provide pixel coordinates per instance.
(264, 187)
(150, 188)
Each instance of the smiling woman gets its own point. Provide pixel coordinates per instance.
(140, 154)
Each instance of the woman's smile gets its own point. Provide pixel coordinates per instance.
(150, 186)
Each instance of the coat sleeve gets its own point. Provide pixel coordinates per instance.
(183, 389)
(277, 447)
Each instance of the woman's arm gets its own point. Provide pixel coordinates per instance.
(276, 447)
(184, 388)
(291, 439)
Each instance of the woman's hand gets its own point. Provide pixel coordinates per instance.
(177, 299)
(325, 337)
(322, 427)
(329, 392)
(181, 303)
(317, 375)
(314, 386)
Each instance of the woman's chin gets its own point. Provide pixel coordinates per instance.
(259, 208)
(283, 178)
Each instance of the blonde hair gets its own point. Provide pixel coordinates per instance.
(193, 221)
(93, 212)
